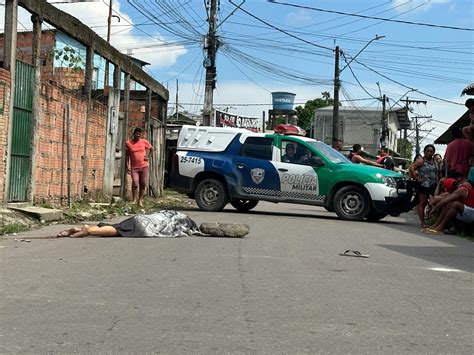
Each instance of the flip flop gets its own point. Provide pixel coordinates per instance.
(354, 253)
(432, 231)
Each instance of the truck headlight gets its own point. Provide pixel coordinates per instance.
(389, 181)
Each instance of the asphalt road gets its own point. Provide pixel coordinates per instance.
(282, 289)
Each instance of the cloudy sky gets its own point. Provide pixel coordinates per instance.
(277, 46)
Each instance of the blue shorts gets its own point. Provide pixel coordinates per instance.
(467, 216)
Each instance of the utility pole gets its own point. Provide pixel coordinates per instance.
(417, 136)
(335, 110)
(417, 132)
(210, 43)
(177, 105)
(106, 70)
(417, 128)
(384, 122)
(337, 85)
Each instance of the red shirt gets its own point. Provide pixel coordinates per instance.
(137, 152)
(468, 200)
(457, 155)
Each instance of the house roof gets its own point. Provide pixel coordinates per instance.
(468, 90)
(447, 137)
(402, 116)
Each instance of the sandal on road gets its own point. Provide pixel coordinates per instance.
(432, 231)
(354, 253)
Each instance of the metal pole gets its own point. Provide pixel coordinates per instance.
(335, 111)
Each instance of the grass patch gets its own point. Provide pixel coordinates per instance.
(13, 228)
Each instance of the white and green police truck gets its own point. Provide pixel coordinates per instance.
(220, 165)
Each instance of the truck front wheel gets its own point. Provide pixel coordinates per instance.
(211, 195)
(352, 203)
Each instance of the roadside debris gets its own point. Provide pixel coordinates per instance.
(229, 230)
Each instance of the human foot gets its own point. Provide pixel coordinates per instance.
(83, 232)
(68, 232)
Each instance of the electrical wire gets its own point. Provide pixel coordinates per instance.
(372, 17)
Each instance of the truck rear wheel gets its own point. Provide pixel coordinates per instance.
(352, 203)
(211, 195)
(242, 204)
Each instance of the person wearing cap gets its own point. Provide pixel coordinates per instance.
(459, 204)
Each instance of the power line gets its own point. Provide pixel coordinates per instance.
(280, 30)
(405, 86)
(373, 17)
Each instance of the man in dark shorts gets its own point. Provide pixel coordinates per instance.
(138, 152)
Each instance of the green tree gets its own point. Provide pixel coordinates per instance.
(68, 57)
(306, 113)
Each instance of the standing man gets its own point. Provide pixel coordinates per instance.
(337, 144)
(138, 152)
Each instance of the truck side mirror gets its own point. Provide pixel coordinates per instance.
(317, 161)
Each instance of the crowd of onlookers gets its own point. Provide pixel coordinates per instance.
(445, 186)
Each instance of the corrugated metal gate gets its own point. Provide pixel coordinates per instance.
(21, 132)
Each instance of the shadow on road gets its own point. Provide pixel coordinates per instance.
(457, 257)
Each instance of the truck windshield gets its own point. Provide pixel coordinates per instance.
(330, 153)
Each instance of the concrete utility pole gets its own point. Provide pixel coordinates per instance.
(109, 24)
(337, 85)
(417, 136)
(417, 128)
(177, 104)
(384, 122)
(335, 110)
(417, 132)
(210, 43)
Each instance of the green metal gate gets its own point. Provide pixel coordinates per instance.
(21, 132)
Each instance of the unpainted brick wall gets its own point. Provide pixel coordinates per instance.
(51, 159)
(5, 103)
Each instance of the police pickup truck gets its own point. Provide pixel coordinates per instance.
(217, 165)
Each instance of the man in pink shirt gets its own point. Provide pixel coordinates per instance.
(138, 152)
(458, 153)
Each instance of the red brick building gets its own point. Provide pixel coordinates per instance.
(62, 101)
